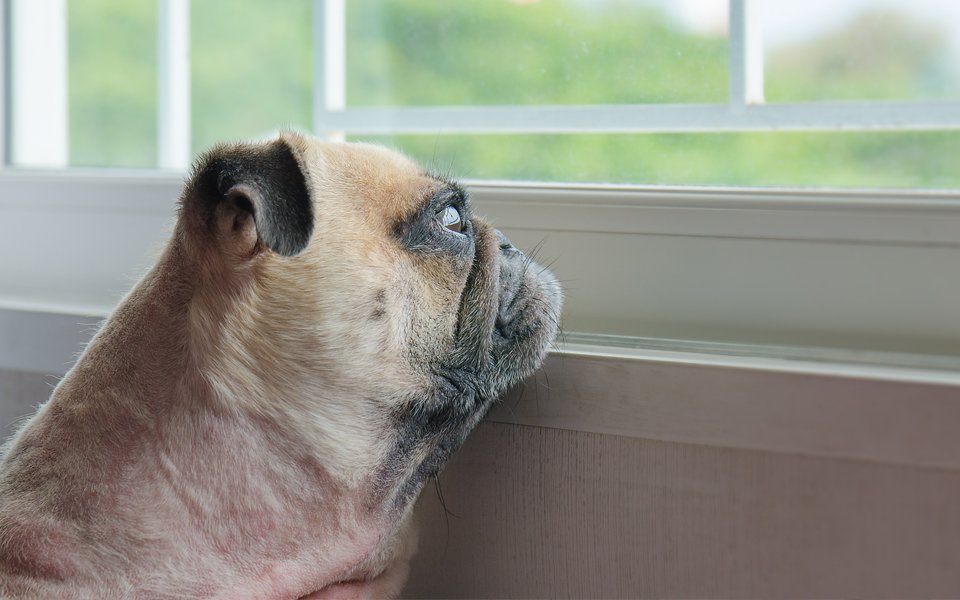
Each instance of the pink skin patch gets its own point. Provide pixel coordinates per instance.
(236, 518)
(38, 550)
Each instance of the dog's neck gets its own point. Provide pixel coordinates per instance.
(242, 486)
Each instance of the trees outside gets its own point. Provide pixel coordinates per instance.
(251, 67)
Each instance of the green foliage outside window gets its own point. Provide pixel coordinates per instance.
(251, 67)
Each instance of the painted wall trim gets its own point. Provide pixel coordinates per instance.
(860, 269)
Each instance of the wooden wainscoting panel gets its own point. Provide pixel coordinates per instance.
(539, 512)
(905, 422)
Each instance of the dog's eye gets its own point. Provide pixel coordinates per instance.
(450, 218)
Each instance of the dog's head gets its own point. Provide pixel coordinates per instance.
(366, 306)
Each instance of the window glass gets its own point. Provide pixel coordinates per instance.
(424, 52)
(112, 82)
(251, 68)
(861, 49)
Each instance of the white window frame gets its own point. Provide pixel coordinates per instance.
(81, 235)
(744, 111)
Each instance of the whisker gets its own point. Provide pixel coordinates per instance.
(547, 387)
(446, 512)
(512, 408)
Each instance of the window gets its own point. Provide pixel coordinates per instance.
(644, 92)
(693, 92)
(737, 172)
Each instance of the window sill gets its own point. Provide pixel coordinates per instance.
(30, 323)
(881, 407)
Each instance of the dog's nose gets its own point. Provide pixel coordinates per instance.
(505, 243)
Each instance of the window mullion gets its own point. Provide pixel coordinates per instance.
(38, 83)
(173, 84)
(4, 83)
(329, 65)
(746, 54)
(645, 118)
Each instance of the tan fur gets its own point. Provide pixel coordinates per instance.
(221, 434)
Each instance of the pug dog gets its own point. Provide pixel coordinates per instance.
(325, 326)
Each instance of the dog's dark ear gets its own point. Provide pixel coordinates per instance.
(264, 183)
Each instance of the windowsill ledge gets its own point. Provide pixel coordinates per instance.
(77, 319)
(892, 408)
(832, 362)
